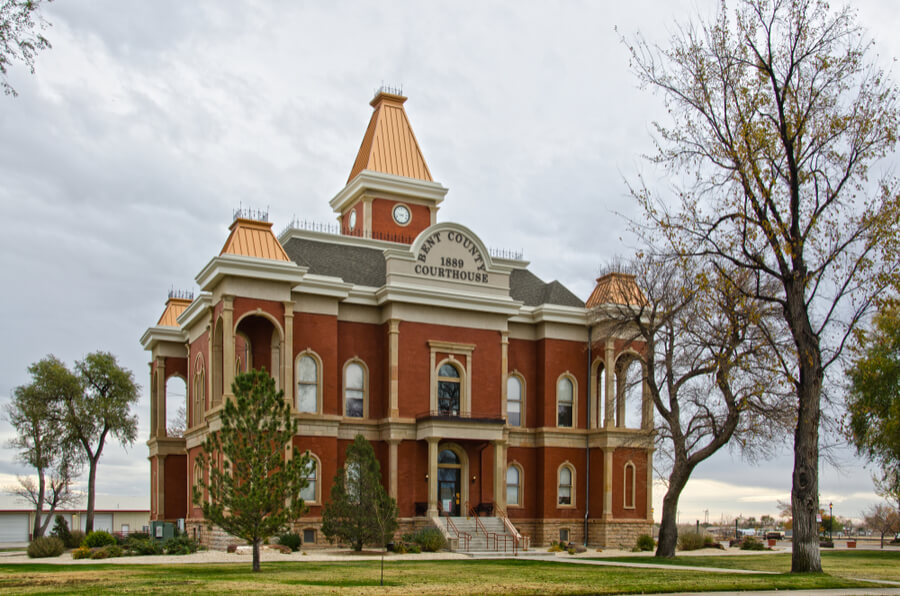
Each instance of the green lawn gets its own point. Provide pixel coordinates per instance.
(869, 564)
(402, 577)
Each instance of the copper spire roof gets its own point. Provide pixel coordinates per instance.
(174, 307)
(251, 238)
(616, 288)
(389, 146)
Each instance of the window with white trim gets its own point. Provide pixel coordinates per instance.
(307, 384)
(513, 486)
(309, 493)
(565, 402)
(564, 490)
(514, 400)
(354, 390)
(448, 390)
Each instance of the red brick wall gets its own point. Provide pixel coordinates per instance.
(366, 342)
(176, 486)
(383, 220)
(319, 334)
(639, 458)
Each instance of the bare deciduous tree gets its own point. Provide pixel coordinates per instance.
(709, 368)
(778, 113)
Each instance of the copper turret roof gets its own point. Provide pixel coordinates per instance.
(389, 145)
(252, 238)
(616, 288)
(174, 307)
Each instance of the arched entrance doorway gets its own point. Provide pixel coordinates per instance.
(449, 482)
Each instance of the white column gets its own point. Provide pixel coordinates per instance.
(393, 476)
(610, 389)
(504, 371)
(432, 476)
(607, 482)
(500, 473)
(394, 367)
(287, 355)
(228, 347)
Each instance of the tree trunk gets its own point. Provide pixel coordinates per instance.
(89, 514)
(37, 531)
(805, 555)
(256, 555)
(668, 525)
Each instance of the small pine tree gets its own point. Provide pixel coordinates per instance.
(254, 490)
(360, 511)
(61, 530)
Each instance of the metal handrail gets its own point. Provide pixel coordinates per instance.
(459, 535)
(517, 537)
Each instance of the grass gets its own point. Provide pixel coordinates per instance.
(869, 564)
(406, 577)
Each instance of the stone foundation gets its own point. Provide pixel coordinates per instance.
(601, 533)
(215, 538)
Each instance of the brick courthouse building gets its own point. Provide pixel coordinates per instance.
(481, 387)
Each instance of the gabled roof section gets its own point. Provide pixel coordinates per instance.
(174, 307)
(389, 145)
(616, 288)
(528, 288)
(252, 238)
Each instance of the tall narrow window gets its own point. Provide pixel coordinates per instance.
(354, 390)
(307, 384)
(564, 491)
(514, 401)
(564, 402)
(513, 477)
(629, 486)
(308, 494)
(448, 390)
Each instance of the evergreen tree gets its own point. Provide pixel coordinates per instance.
(254, 485)
(360, 511)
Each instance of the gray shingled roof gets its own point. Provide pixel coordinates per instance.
(353, 264)
(365, 266)
(530, 289)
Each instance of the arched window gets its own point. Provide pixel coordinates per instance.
(564, 490)
(199, 392)
(448, 390)
(307, 384)
(565, 402)
(629, 486)
(354, 390)
(513, 486)
(310, 493)
(514, 400)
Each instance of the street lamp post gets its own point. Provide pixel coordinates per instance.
(831, 522)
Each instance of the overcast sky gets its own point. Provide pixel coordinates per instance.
(149, 122)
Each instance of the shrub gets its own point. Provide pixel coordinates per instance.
(645, 542)
(555, 547)
(82, 552)
(399, 548)
(143, 546)
(692, 541)
(413, 548)
(751, 543)
(291, 540)
(98, 538)
(76, 537)
(430, 540)
(231, 548)
(107, 552)
(61, 529)
(139, 535)
(180, 545)
(45, 546)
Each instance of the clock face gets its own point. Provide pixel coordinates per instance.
(401, 214)
(352, 221)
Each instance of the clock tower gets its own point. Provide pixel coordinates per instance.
(390, 194)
